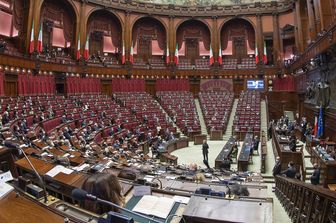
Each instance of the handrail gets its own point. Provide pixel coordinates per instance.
(321, 44)
(305, 202)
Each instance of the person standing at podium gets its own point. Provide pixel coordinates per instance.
(205, 150)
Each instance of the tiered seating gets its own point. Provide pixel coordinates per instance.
(202, 64)
(247, 116)
(247, 63)
(229, 63)
(139, 63)
(181, 108)
(216, 108)
(184, 64)
(145, 109)
(157, 63)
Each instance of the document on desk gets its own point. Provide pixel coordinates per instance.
(58, 169)
(156, 206)
(5, 189)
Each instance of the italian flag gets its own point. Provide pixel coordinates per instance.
(265, 54)
(220, 60)
(86, 49)
(78, 48)
(39, 43)
(315, 127)
(131, 58)
(167, 56)
(31, 44)
(176, 56)
(256, 55)
(123, 57)
(211, 56)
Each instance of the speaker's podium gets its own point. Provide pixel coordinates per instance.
(204, 209)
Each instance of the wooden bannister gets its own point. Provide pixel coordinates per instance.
(304, 202)
(320, 45)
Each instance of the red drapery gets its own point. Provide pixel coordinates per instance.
(128, 85)
(2, 84)
(35, 85)
(83, 85)
(284, 84)
(172, 85)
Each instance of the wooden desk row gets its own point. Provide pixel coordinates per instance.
(263, 152)
(245, 152)
(286, 155)
(225, 152)
(328, 168)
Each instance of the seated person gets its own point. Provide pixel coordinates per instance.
(104, 186)
(291, 171)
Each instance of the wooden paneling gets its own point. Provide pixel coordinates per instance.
(150, 87)
(238, 86)
(11, 88)
(278, 102)
(195, 87)
(329, 123)
(106, 87)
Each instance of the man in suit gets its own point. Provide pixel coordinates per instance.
(291, 171)
(315, 177)
(277, 167)
(205, 150)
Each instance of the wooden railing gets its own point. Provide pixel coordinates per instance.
(320, 45)
(263, 152)
(306, 203)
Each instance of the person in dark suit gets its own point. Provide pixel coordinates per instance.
(291, 171)
(277, 167)
(205, 150)
(315, 177)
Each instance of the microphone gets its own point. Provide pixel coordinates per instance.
(16, 147)
(230, 196)
(82, 195)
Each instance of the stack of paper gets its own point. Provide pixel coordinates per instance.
(156, 206)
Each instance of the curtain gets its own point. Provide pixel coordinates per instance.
(82, 85)
(125, 85)
(172, 85)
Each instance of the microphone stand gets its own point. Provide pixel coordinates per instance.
(230, 196)
(37, 174)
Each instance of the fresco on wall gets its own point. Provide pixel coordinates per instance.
(204, 2)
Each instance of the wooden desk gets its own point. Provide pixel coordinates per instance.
(22, 210)
(225, 153)
(198, 139)
(216, 135)
(332, 187)
(245, 152)
(209, 209)
(281, 149)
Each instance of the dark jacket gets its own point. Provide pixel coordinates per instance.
(277, 168)
(315, 178)
(205, 147)
(290, 172)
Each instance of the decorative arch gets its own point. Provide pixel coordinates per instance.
(69, 2)
(193, 38)
(105, 31)
(237, 34)
(149, 36)
(108, 10)
(14, 14)
(59, 20)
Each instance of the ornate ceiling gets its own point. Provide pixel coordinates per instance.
(205, 2)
